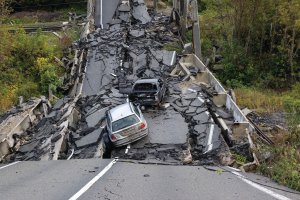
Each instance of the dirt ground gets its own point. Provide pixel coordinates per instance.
(39, 16)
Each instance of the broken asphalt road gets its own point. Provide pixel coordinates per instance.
(52, 180)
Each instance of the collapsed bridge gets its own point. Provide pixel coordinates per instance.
(198, 122)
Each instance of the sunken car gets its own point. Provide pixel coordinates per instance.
(126, 124)
(148, 91)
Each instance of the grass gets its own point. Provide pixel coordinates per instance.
(284, 164)
(259, 100)
(173, 46)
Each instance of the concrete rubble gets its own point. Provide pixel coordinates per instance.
(187, 130)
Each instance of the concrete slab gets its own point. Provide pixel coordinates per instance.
(166, 127)
(94, 118)
(90, 139)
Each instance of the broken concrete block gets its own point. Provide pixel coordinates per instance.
(90, 139)
(140, 13)
(137, 33)
(28, 147)
(94, 118)
(56, 137)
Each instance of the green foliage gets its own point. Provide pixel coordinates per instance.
(28, 67)
(173, 46)
(262, 35)
(238, 68)
(47, 4)
(48, 75)
(284, 166)
(240, 159)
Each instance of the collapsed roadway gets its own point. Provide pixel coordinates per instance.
(187, 129)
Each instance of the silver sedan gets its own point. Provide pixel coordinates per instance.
(126, 124)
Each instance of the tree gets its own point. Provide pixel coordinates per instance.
(4, 9)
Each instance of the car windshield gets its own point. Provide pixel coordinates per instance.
(124, 122)
(145, 87)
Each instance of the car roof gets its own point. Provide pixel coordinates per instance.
(153, 80)
(121, 111)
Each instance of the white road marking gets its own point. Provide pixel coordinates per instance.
(200, 99)
(101, 19)
(173, 57)
(192, 90)
(11, 164)
(209, 141)
(211, 133)
(261, 188)
(94, 180)
(72, 153)
(235, 169)
(127, 149)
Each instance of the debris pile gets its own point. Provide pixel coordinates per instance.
(187, 129)
(17, 120)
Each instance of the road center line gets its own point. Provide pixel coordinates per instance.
(11, 164)
(173, 58)
(261, 188)
(101, 17)
(127, 149)
(200, 99)
(94, 180)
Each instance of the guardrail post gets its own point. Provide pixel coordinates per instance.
(196, 30)
(184, 18)
(155, 6)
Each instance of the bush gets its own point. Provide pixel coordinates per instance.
(28, 67)
(238, 67)
(284, 168)
(48, 75)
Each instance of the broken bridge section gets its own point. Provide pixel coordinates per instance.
(184, 130)
(130, 48)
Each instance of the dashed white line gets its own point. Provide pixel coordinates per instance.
(173, 57)
(101, 19)
(261, 188)
(200, 99)
(11, 164)
(209, 142)
(127, 149)
(94, 180)
(192, 90)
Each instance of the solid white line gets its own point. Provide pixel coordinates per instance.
(94, 180)
(11, 164)
(173, 58)
(259, 187)
(101, 10)
(209, 142)
(72, 153)
(235, 169)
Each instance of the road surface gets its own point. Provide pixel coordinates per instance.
(105, 10)
(53, 180)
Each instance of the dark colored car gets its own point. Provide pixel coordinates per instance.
(148, 91)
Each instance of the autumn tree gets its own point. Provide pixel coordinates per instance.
(4, 9)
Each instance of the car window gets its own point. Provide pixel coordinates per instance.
(108, 121)
(145, 86)
(136, 110)
(124, 122)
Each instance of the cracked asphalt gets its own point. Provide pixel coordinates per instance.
(53, 180)
(171, 163)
